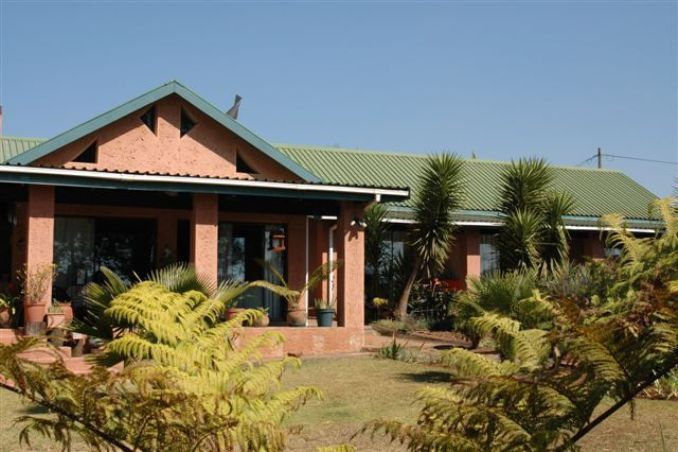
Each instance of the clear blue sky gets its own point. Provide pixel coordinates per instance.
(504, 80)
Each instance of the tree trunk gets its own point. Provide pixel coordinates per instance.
(405, 296)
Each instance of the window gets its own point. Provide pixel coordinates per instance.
(186, 123)
(241, 166)
(148, 118)
(489, 254)
(89, 155)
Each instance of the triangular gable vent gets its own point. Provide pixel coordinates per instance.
(149, 118)
(186, 123)
(241, 166)
(89, 155)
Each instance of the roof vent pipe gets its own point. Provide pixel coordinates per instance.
(233, 111)
(0, 120)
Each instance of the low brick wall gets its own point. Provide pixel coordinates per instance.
(310, 341)
(8, 336)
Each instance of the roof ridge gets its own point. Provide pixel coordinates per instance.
(423, 155)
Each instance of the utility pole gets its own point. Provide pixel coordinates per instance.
(600, 159)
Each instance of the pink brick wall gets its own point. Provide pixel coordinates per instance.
(209, 149)
(40, 234)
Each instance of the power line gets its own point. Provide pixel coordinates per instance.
(599, 155)
(640, 159)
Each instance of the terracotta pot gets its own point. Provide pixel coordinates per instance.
(296, 317)
(35, 312)
(56, 320)
(262, 322)
(34, 316)
(5, 318)
(68, 312)
(232, 312)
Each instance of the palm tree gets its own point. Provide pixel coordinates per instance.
(533, 233)
(440, 193)
(375, 234)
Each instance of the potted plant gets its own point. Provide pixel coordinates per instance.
(264, 320)
(5, 312)
(233, 310)
(56, 317)
(296, 309)
(35, 283)
(325, 311)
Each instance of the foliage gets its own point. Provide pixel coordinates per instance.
(498, 294)
(13, 305)
(562, 356)
(185, 384)
(533, 234)
(55, 309)
(35, 281)
(322, 304)
(389, 326)
(665, 388)
(294, 297)
(432, 302)
(394, 351)
(99, 294)
(375, 235)
(440, 193)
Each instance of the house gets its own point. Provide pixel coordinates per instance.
(169, 177)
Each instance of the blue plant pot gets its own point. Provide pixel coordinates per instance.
(325, 317)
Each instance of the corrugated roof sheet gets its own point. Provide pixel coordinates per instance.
(597, 192)
(10, 147)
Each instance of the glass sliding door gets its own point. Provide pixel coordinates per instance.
(73, 255)
(249, 252)
(83, 245)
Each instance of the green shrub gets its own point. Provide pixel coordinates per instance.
(395, 351)
(665, 388)
(389, 327)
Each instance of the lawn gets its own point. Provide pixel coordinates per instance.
(361, 388)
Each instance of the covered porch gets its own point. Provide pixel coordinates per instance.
(226, 228)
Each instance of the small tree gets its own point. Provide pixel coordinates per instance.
(441, 188)
(533, 233)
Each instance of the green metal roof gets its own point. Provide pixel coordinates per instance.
(170, 88)
(596, 191)
(11, 147)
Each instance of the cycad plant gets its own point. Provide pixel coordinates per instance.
(98, 295)
(440, 193)
(187, 383)
(562, 356)
(533, 233)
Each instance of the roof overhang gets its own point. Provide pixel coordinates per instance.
(490, 219)
(63, 177)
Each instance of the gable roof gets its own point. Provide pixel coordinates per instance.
(596, 191)
(27, 156)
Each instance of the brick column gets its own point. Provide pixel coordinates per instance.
(351, 281)
(205, 235)
(473, 267)
(39, 246)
